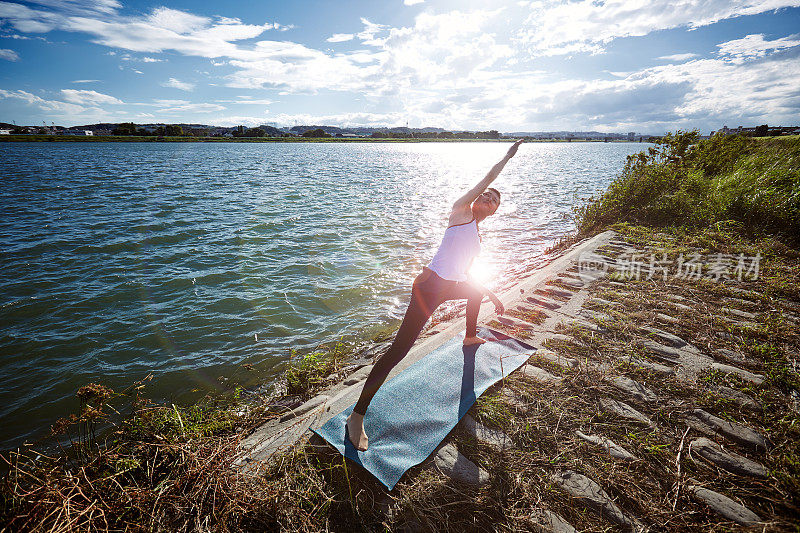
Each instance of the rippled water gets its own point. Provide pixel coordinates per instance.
(188, 260)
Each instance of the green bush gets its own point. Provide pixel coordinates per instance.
(685, 181)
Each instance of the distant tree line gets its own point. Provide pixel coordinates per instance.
(491, 134)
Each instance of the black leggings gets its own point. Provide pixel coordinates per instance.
(427, 293)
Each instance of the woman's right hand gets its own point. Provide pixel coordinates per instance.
(513, 150)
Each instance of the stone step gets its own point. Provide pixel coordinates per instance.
(553, 357)
(634, 388)
(544, 301)
(612, 448)
(665, 337)
(485, 435)
(359, 375)
(739, 397)
(517, 403)
(665, 353)
(739, 301)
(709, 424)
(724, 506)
(607, 303)
(591, 495)
(571, 283)
(746, 375)
(583, 324)
(738, 313)
(732, 462)
(516, 323)
(545, 521)
(449, 461)
(555, 291)
(560, 337)
(655, 367)
(624, 410)
(594, 315)
(310, 405)
(730, 354)
(539, 374)
(668, 319)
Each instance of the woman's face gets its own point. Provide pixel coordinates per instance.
(486, 204)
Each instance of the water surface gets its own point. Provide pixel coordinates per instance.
(189, 260)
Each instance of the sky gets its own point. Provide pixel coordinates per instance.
(647, 66)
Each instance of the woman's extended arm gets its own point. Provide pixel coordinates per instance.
(473, 193)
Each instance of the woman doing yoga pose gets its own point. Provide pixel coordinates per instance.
(445, 278)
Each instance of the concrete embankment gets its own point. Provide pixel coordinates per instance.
(650, 400)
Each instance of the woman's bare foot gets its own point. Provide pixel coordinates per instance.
(468, 341)
(355, 431)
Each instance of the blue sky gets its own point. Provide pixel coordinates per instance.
(645, 66)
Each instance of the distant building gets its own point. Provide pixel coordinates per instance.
(5, 132)
(631, 135)
(80, 133)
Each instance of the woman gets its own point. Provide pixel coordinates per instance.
(445, 278)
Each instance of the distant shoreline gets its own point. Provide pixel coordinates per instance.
(153, 138)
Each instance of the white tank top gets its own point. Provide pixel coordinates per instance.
(460, 244)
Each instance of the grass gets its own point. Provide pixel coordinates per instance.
(682, 181)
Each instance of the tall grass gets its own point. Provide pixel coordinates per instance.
(685, 181)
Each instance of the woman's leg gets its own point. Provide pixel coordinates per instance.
(474, 297)
(422, 305)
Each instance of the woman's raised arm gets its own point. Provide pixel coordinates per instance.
(474, 192)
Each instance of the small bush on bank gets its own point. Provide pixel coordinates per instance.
(685, 181)
(310, 373)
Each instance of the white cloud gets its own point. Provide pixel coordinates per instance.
(340, 37)
(151, 60)
(412, 2)
(50, 106)
(755, 46)
(86, 97)
(28, 20)
(193, 108)
(178, 84)
(84, 81)
(564, 27)
(247, 100)
(8, 55)
(164, 102)
(678, 57)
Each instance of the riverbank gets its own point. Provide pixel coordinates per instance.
(664, 394)
(153, 138)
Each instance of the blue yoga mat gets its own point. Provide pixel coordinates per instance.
(412, 413)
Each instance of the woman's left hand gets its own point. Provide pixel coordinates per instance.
(498, 306)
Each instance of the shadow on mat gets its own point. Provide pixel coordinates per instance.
(468, 380)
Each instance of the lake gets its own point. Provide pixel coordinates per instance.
(189, 260)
